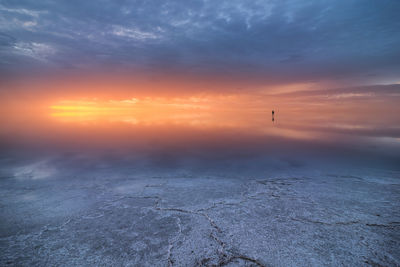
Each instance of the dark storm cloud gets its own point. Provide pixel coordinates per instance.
(281, 41)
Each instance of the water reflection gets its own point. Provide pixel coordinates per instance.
(207, 132)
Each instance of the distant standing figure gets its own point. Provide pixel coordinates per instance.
(273, 115)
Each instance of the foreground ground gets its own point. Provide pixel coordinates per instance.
(111, 218)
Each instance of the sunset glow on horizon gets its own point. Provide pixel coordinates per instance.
(304, 114)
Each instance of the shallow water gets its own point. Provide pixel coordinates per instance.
(226, 133)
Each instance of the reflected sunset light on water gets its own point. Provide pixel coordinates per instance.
(115, 115)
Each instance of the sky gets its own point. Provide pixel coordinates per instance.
(256, 43)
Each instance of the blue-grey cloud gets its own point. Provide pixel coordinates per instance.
(373, 91)
(277, 41)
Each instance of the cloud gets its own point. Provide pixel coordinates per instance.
(131, 101)
(38, 51)
(133, 33)
(270, 41)
(372, 91)
(349, 95)
(22, 11)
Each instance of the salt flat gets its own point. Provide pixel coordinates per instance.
(113, 217)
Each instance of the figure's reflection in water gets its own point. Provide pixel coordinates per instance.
(273, 116)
